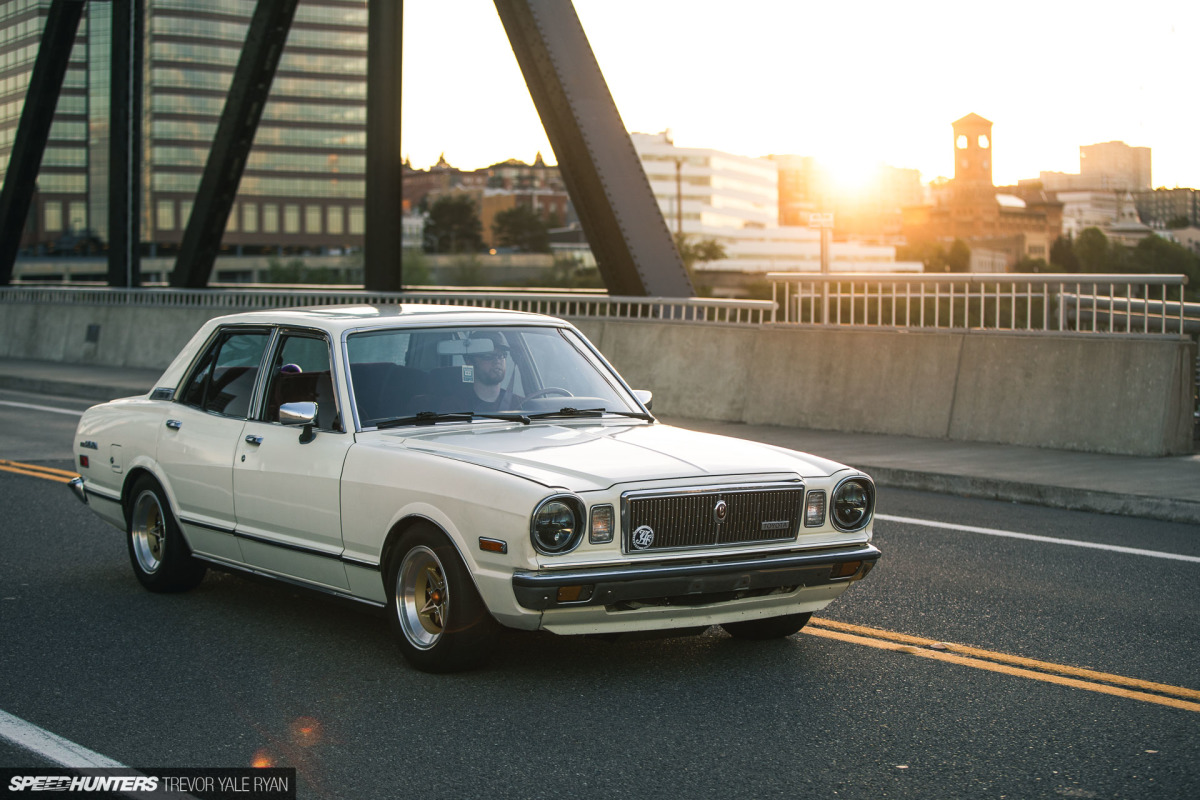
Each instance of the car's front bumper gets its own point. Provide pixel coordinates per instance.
(691, 583)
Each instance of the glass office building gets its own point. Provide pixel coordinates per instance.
(304, 183)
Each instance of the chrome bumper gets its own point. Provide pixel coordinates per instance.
(77, 489)
(693, 582)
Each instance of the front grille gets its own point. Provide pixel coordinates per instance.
(686, 520)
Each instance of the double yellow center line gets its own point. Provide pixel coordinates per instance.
(33, 470)
(963, 655)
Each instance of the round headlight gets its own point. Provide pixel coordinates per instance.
(556, 526)
(853, 502)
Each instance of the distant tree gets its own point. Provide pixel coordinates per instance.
(928, 252)
(959, 257)
(1092, 251)
(1155, 255)
(453, 226)
(1032, 265)
(1175, 223)
(522, 229)
(1062, 255)
(414, 268)
(700, 251)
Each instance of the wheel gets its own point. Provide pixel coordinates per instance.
(441, 622)
(160, 557)
(549, 390)
(769, 628)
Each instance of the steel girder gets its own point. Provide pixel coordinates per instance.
(33, 131)
(601, 169)
(382, 246)
(235, 135)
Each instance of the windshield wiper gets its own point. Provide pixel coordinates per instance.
(432, 417)
(589, 412)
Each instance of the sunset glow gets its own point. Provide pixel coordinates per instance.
(845, 83)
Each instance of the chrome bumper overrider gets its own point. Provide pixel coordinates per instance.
(77, 489)
(690, 583)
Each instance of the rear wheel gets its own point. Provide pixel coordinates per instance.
(160, 557)
(440, 620)
(769, 628)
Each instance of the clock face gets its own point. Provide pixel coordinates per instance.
(961, 141)
(983, 141)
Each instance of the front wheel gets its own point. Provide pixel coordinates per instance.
(769, 628)
(160, 557)
(441, 621)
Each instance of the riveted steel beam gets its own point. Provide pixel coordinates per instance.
(33, 130)
(125, 143)
(620, 217)
(235, 135)
(382, 244)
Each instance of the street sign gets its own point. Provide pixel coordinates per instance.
(820, 220)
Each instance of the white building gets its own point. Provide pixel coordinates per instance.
(734, 200)
(1087, 210)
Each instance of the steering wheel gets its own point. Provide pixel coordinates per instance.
(549, 390)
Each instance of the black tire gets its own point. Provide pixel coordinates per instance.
(161, 559)
(769, 628)
(439, 618)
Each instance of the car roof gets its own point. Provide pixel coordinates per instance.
(348, 317)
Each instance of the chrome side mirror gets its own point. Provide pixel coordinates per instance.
(300, 414)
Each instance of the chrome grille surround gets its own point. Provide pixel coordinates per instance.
(687, 519)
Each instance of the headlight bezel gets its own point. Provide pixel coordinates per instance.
(578, 514)
(833, 509)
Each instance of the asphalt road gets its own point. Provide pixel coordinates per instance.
(238, 670)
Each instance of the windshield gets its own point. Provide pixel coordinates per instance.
(402, 373)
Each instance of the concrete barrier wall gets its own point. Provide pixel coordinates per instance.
(1121, 395)
(1130, 396)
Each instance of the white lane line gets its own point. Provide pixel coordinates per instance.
(61, 751)
(49, 409)
(1046, 539)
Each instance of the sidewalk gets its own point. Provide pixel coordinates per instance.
(1155, 488)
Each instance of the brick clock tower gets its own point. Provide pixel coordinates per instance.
(975, 211)
(973, 150)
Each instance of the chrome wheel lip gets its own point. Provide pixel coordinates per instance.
(422, 597)
(148, 531)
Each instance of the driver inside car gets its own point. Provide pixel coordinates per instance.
(489, 370)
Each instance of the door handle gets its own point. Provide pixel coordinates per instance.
(174, 424)
(252, 439)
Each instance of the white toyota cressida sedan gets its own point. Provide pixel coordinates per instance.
(465, 469)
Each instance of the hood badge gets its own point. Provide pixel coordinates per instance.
(642, 538)
(720, 511)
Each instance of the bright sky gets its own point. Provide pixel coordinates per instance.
(851, 83)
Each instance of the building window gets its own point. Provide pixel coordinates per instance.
(164, 215)
(270, 218)
(335, 219)
(185, 212)
(78, 216)
(291, 218)
(52, 214)
(250, 217)
(231, 223)
(357, 221)
(312, 219)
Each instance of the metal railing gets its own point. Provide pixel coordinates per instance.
(1029, 303)
(560, 304)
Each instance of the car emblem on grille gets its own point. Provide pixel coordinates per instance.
(720, 511)
(643, 537)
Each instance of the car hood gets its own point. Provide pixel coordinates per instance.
(583, 456)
